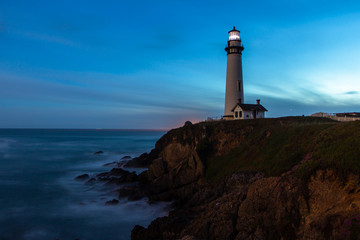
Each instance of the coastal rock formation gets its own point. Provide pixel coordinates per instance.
(333, 207)
(269, 208)
(143, 161)
(286, 178)
(117, 176)
(112, 202)
(82, 177)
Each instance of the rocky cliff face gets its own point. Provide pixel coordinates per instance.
(260, 179)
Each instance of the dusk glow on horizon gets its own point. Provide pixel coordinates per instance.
(157, 64)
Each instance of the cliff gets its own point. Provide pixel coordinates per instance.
(285, 178)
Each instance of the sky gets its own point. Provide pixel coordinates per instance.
(156, 64)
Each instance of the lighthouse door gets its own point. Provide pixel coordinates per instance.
(254, 114)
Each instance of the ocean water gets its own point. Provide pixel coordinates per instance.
(40, 199)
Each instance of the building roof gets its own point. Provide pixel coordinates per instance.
(234, 30)
(250, 107)
(348, 114)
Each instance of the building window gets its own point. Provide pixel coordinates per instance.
(239, 86)
(236, 114)
(240, 114)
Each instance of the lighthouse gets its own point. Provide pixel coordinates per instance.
(234, 93)
(235, 108)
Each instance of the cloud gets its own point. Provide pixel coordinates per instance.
(289, 107)
(153, 98)
(105, 100)
(351, 92)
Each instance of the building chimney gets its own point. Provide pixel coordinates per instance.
(239, 100)
(258, 101)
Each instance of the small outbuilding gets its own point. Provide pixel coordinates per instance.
(249, 111)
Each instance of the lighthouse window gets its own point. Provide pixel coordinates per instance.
(240, 114)
(239, 86)
(236, 114)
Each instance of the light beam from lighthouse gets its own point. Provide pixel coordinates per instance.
(234, 77)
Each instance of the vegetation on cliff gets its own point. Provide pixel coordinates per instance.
(272, 146)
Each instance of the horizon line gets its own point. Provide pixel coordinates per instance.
(92, 129)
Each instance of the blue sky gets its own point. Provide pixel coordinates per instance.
(156, 64)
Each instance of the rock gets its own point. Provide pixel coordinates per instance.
(110, 164)
(139, 162)
(98, 152)
(117, 176)
(112, 202)
(166, 228)
(188, 237)
(82, 177)
(126, 178)
(138, 232)
(275, 207)
(113, 172)
(178, 166)
(91, 181)
(126, 158)
(251, 206)
(118, 172)
(270, 209)
(132, 193)
(333, 202)
(144, 160)
(130, 177)
(158, 168)
(188, 123)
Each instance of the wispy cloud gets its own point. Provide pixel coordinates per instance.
(307, 94)
(100, 92)
(280, 107)
(351, 92)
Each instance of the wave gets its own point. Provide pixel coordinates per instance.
(40, 166)
(5, 143)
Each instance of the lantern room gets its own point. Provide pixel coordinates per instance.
(234, 35)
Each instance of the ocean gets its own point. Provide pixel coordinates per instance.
(40, 198)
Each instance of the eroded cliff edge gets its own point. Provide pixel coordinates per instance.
(285, 178)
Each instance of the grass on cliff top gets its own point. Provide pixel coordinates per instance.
(275, 146)
(337, 148)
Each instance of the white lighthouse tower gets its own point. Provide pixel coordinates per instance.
(234, 78)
